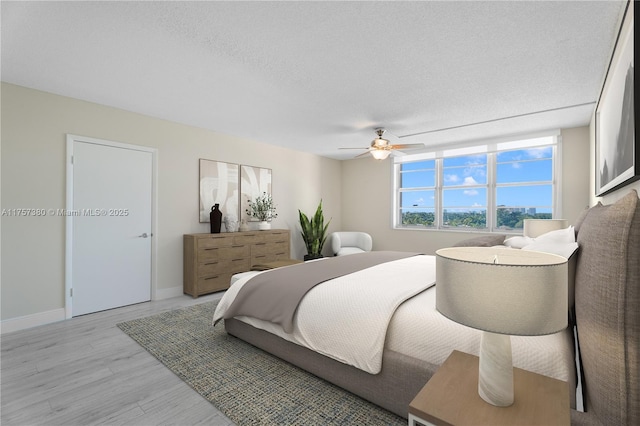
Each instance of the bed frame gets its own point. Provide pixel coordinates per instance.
(607, 315)
(399, 381)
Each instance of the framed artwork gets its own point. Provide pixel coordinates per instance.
(253, 182)
(218, 185)
(617, 156)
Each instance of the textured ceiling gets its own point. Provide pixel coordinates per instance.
(316, 76)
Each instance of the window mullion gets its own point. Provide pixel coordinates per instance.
(491, 191)
(438, 193)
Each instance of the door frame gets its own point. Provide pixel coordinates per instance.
(68, 263)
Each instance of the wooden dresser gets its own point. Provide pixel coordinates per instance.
(211, 259)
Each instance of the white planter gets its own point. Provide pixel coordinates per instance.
(264, 225)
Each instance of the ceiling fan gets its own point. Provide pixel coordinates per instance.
(381, 148)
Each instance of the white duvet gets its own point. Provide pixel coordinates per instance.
(347, 318)
(355, 317)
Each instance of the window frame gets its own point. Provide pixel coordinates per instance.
(491, 148)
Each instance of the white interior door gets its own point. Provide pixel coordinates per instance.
(111, 231)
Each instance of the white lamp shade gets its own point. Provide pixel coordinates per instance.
(524, 293)
(536, 227)
(380, 154)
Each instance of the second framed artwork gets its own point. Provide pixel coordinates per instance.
(254, 181)
(232, 186)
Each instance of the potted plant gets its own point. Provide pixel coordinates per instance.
(314, 233)
(263, 209)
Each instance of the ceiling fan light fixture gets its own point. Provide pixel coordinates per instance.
(379, 142)
(380, 154)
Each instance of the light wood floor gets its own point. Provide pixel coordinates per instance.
(85, 371)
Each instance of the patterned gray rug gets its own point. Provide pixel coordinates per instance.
(247, 384)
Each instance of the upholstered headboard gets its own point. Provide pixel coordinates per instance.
(607, 309)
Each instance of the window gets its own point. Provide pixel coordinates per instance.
(484, 187)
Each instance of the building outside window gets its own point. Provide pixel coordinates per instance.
(484, 187)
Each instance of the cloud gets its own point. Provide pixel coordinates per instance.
(470, 192)
(476, 169)
(516, 165)
(470, 181)
(451, 178)
(477, 160)
(539, 152)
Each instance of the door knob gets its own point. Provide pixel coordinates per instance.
(143, 235)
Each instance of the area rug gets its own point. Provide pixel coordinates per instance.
(250, 386)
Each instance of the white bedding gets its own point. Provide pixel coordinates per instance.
(366, 300)
(416, 329)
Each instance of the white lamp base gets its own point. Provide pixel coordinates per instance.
(495, 382)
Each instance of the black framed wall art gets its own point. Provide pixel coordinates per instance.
(617, 156)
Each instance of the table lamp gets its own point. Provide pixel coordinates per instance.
(535, 227)
(502, 292)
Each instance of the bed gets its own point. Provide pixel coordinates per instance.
(394, 362)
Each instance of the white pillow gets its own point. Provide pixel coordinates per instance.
(561, 242)
(518, 242)
(566, 235)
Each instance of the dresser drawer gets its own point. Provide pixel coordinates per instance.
(214, 283)
(215, 241)
(268, 257)
(220, 253)
(248, 238)
(277, 237)
(271, 248)
(230, 266)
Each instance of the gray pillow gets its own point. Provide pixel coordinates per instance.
(484, 241)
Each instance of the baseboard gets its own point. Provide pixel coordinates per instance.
(33, 320)
(42, 318)
(168, 293)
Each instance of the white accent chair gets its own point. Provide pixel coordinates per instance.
(343, 243)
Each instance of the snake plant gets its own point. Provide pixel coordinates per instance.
(314, 232)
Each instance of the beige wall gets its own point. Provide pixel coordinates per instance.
(34, 128)
(367, 192)
(356, 193)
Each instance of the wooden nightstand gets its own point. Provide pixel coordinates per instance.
(451, 398)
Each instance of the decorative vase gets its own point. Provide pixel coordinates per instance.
(264, 225)
(230, 223)
(216, 219)
(243, 226)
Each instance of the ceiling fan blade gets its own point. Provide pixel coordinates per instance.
(408, 146)
(362, 155)
(391, 138)
(354, 148)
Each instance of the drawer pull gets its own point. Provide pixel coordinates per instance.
(211, 278)
(238, 260)
(260, 244)
(238, 246)
(211, 263)
(212, 248)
